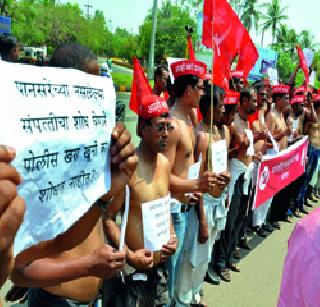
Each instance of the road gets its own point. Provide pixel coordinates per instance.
(120, 69)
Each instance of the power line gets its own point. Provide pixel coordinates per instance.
(89, 7)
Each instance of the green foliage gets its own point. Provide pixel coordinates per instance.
(285, 66)
(250, 15)
(49, 22)
(171, 35)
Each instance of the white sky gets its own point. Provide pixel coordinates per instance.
(129, 14)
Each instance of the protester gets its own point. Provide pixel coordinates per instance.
(277, 126)
(74, 276)
(188, 88)
(261, 145)
(150, 182)
(240, 169)
(161, 77)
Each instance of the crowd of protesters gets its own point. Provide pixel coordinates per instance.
(211, 215)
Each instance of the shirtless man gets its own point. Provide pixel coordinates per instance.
(261, 145)
(161, 76)
(237, 81)
(277, 126)
(188, 88)
(192, 272)
(12, 209)
(150, 182)
(313, 130)
(73, 276)
(240, 168)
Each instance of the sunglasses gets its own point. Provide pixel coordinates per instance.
(162, 127)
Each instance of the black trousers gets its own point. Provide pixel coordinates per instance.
(280, 205)
(226, 246)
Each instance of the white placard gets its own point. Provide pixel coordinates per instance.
(273, 75)
(124, 219)
(295, 125)
(60, 122)
(156, 223)
(250, 150)
(219, 156)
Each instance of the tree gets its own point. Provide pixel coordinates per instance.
(306, 39)
(285, 65)
(286, 39)
(171, 36)
(250, 15)
(273, 17)
(237, 5)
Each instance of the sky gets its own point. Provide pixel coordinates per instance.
(129, 14)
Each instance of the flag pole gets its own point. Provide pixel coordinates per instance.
(211, 103)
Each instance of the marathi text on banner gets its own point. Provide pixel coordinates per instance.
(278, 171)
(156, 223)
(60, 122)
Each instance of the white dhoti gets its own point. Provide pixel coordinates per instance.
(195, 256)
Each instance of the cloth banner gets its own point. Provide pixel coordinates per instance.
(60, 122)
(278, 171)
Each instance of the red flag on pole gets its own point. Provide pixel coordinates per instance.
(140, 86)
(223, 29)
(248, 54)
(190, 48)
(304, 67)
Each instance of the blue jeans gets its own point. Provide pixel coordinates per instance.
(313, 156)
(179, 223)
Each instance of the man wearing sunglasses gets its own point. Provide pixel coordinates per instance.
(148, 283)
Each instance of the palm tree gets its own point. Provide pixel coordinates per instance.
(237, 6)
(306, 39)
(250, 15)
(287, 38)
(273, 17)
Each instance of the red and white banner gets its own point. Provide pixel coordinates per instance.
(276, 172)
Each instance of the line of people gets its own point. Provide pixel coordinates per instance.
(211, 214)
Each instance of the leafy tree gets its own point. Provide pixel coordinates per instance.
(273, 18)
(250, 15)
(171, 36)
(306, 39)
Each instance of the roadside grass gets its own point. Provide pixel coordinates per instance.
(120, 79)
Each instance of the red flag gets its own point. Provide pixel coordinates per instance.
(190, 48)
(248, 54)
(304, 67)
(140, 86)
(219, 16)
(222, 26)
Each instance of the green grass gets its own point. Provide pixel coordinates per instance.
(121, 79)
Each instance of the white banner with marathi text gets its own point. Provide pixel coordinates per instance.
(60, 122)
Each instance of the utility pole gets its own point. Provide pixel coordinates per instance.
(88, 6)
(153, 36)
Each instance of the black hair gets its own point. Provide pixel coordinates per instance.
(277, 95)
(181, 83)
(316, 104)
(205, 101)
(147, 122)
(7, 43)
(244, 94)
(72, 55)
(229, 108)
(159, 70)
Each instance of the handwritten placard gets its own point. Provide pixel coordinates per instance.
(60, 122)
(156, 223)
(219, 156)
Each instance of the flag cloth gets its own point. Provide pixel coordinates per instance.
(140, 87)
(190, 49)
(223, 30)
(248, 54)
(304, 67)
